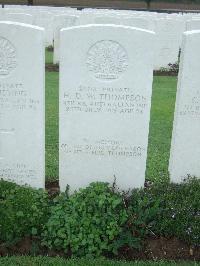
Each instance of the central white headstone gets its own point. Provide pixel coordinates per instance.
(105, 97)
(22, 145)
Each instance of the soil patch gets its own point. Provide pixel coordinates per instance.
(125, 4)
(161, 248)
(165, 73)
(52, 188)
(154, 249)
(51, 67)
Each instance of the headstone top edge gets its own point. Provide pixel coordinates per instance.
(191, 32)
(107, 26)
(6, 22)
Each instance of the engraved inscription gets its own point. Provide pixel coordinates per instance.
(104, 100)
(192, 106)
(18, 172)
(104, 147)
(107, 60)
(8, 61)
(13, 96)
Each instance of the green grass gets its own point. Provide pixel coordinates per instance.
(162, 112)
(52, 125)
(46, 261)
(49, 57)
(161, 123)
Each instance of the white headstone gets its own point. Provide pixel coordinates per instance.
(105, 97)
(19, 17)
(185, 147)
(138, 22)
(44, 19)
(117, 19)
(169, 36)
(22, 123)
(61, 21)
(193, 24)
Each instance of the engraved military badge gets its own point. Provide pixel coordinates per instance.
(107, 60)
(7, 57)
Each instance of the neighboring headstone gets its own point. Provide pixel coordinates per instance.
(61, 21)
(19, 17)
(185, 147)
(116, 19)
(193, 24)
(138, 22)
(106, 77)
(44, 19)
(22, 97)
(169, 36)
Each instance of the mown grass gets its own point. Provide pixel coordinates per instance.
(46, 261)
(161, 123)
(162, 112)
(49, 57)
(52, 125)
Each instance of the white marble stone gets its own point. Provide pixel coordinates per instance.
(22, 96)
(44, 19)
(19, 17)
(117, 18)
(169, 36)
(61, 21)
(138, 22)
(105, 99)
(185, 146)
(193, 24)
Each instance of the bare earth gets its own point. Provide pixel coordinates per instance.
(121, 4)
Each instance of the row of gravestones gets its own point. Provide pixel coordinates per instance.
(168, 27)
(105, 98)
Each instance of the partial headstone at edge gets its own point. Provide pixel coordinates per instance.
(185, 146)
(22, 104)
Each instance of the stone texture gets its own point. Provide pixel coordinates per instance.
(19, 17)
(44, 19)
(22, 123)
(185, 147)
(105, 99)
(61, 21)
(169, 37)
(193, 24)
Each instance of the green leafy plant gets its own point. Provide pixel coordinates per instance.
(163, 209)
(180, 212)
(142, 212)
(23, 211)
(87, 222)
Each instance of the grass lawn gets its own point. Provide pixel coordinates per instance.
(161, 123)
(48, 57)
(52, 125)
(162, 111)
(46, 261)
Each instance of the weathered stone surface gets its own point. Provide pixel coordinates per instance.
(22, 123)
(61, 21)
(185, 147)
(19, 17)
(105, 99)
